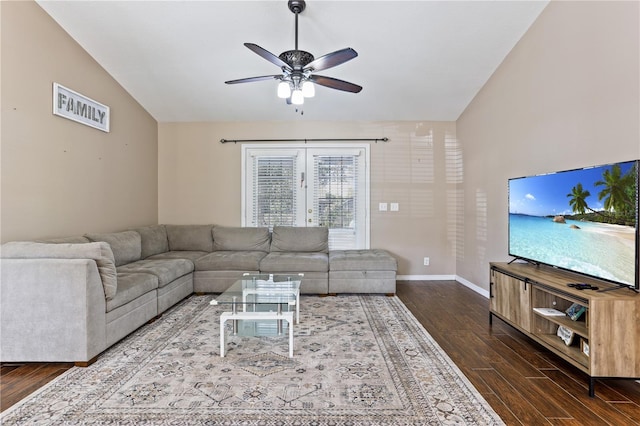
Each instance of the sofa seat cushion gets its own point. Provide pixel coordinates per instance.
(166, 270)
(362, 260)
(300, 239)
(130, 287)
(154, 240)
(295, 262)
(190, 237)
(126, 246)
(230, 261)
(180, 254)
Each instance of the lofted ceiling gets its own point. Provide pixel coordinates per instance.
(418, 60)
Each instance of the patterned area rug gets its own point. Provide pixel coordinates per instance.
(358, 360)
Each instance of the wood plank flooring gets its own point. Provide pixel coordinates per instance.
(524, 383)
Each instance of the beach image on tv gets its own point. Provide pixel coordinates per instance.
(582, 220)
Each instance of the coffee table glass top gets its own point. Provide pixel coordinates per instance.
(269, 289)
(260, 299)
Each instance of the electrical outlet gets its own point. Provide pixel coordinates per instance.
(382, 207)
(394, 207)
(426, 261)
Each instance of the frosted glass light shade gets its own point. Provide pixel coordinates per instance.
(297, 98)
(284, 90)
(308, 89)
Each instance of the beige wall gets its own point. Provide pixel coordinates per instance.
(200, 180)
(567, 96)
(58, 177)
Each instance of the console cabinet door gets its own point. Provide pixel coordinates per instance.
(511, 299)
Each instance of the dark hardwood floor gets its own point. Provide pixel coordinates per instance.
(524, 383)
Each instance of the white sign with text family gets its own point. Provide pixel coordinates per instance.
(77, 107)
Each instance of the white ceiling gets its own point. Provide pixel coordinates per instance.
(418, 60)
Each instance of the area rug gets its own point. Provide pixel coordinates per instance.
(358, 360)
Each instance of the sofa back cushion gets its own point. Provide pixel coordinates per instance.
(300, 239)
(190, 237)
(99, 251)
(241, 239)
(126, 245)
(154, 240)
(69, 240)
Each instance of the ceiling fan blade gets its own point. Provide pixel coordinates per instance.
(334, 83)
(251, 79)
(332, 59)
(268, 55)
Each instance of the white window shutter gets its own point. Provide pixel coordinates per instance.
(336, 197)
(274, 183)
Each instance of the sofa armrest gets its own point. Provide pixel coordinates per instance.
(51, 310)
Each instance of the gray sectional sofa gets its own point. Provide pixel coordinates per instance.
(69, 299)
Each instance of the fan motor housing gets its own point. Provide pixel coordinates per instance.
(297, 59)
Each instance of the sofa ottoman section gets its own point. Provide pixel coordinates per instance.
(362, 271)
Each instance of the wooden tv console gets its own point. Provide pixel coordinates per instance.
(605, 339)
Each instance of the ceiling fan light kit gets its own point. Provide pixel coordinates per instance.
(297, 66)
(284, 90)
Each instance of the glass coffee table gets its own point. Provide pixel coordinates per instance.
(256, 302)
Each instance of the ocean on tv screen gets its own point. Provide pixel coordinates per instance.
(601, 250)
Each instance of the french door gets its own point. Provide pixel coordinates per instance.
(309, 186)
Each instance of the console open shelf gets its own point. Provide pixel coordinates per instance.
(605, 339)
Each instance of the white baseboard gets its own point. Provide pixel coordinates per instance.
(457, 278)
(472, 286)
(426, 277)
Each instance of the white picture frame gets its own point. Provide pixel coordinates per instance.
(74, 106)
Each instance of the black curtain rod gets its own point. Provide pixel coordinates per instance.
(306, 140)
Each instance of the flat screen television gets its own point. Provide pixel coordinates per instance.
(583, 220)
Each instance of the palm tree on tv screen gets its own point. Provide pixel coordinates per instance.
(617, 192)
(578, 201)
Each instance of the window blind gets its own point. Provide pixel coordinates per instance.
(274, 200)
(335, 198)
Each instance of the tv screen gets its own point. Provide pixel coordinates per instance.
(582, 220)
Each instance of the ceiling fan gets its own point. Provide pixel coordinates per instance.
(298, 67)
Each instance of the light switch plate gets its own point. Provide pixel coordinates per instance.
(395, 207)
(382, 207)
